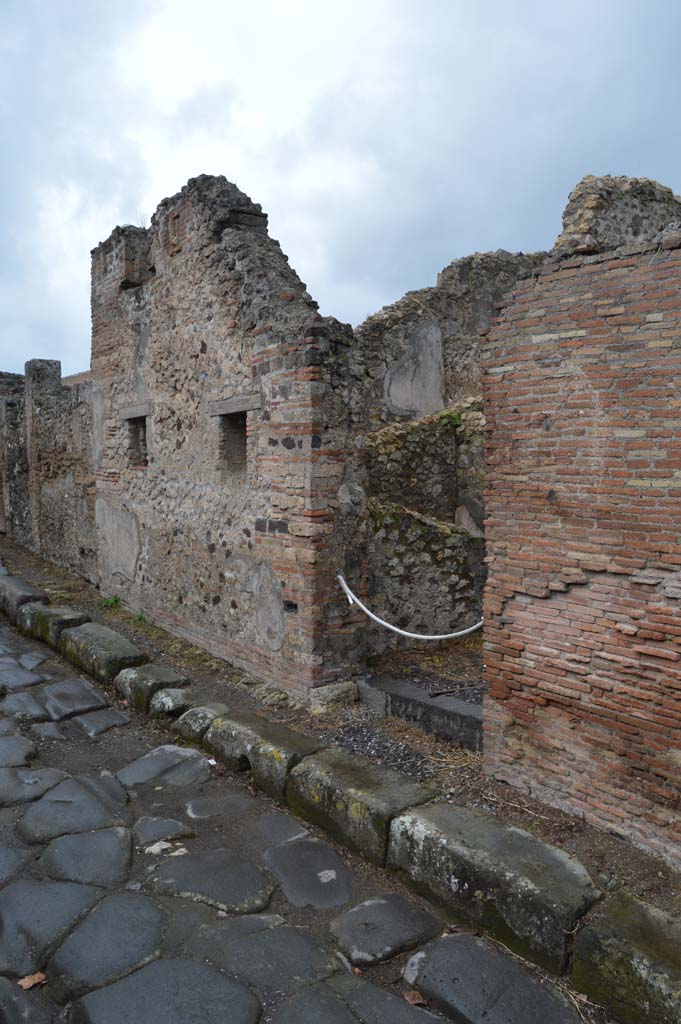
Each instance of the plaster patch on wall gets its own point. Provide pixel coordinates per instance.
(119, 537)
(270, 608)
(416, 385)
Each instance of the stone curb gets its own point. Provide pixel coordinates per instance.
(269, 749)
(443, 716)
(438, 849)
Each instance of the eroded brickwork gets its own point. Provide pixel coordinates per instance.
(582, 386)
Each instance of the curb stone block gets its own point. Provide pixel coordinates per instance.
(169, 703)
(138, 685)
(525, 893)
(271, 750)
(353, 798)
(14, 592)
(628, 958)
(99, 650)
(195, 723)
(43, 622)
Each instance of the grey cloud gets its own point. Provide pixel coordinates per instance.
(492, 113)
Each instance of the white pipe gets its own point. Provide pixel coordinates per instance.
(353, 599)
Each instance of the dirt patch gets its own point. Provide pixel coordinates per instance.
(456, 773)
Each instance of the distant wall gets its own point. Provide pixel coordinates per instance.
(582, 378)
(416, 405)
(46, 465)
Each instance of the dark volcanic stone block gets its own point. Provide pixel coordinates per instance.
(628, 957)
(171, 992)
(381, 928)
(352, 798)
(472, 981)
(269, 748)
(524, 892)
(47, 623)
(99, 650)
(14, 592)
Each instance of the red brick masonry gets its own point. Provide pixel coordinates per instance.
(582, 388)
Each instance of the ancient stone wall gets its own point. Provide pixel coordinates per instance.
(46, 465)
(221, 439)
(416, 403)
(14, 511)
(582, 386)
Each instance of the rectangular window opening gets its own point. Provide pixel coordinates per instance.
(138, 455)
(232, 444)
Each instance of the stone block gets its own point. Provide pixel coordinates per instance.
(138, 685)
(628, 958)
(352, 798)
(525, 893)
(14, 592)
(169, 703)
(195, 723)
(242, 739)
(47, 623)
(332, 695)
(99, 651)
(469, 980)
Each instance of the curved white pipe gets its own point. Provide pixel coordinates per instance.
(353, 599)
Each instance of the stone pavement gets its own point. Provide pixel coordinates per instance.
(148, 886)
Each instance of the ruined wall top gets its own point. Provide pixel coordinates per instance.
(606, 212)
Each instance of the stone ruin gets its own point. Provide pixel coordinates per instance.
(231, 450)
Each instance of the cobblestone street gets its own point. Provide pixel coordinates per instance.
(147, 886)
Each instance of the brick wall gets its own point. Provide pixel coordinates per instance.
(582, 389)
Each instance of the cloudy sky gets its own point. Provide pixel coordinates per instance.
(383, 137)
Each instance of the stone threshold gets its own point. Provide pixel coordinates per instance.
(445, 716)
(497, 879)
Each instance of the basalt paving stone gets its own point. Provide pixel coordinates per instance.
(48, 731)
(94, 723)
(216, 878)
(32, 660)
(35, 916)
(71, 697)
(169, 765)
(280, 960)
(198, 931)
(80, 804)
(15, 751)
(14, 677)
(225, 805)
(472, 981)
(121, 934)
(8, 727)
(18, 1007)
(170, 992)
(311, 873)
(24, 707)
(275, 828)
(151, 830)
(381, 928)
(346, 1000)
(12, 861)
(21, 785)
(98, 858)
